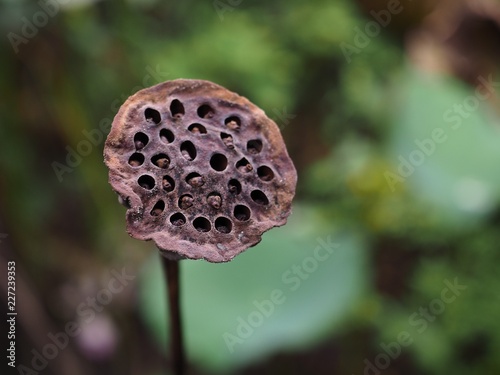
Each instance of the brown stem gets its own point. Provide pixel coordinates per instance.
(171, 268)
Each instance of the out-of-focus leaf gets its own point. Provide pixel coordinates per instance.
(217, 297)
(447, 145)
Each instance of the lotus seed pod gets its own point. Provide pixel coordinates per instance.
(203, 171)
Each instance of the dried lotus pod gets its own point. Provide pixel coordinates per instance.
(202, 171)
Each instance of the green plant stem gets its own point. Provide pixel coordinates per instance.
(171, 269)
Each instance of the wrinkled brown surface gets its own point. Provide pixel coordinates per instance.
(202, 217)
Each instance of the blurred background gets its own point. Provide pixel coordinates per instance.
(390, 110)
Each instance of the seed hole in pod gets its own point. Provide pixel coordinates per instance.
(197, 129)
(185, 201)
(178, 219)
(188, 150)
(168, 184)
(136, 159)
(202, 224)
(140, 141)
(124, 201)
(241, 212)
(176, 108)
(233, 122)
(152, 115)
(166, 136)
(218, 162)
(205, 111)
(161, 161)
(214, 200)
(234, 186)
(195, 180)
(158, 208)
(243, 165)
(223, 224)
(265, 173)
(146, 182)
(259, 197)
(254, 146)
(227, 140)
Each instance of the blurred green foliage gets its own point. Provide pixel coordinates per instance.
(348, 126)
(316, 289)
